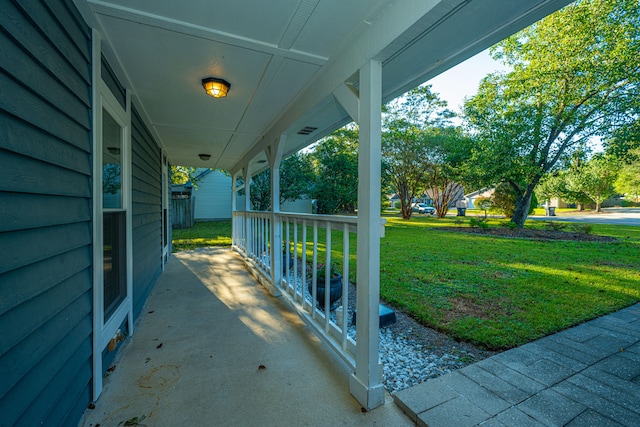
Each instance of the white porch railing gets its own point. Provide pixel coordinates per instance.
(304, 243)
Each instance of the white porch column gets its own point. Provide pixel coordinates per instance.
(366, 383)
(248, 240)
(274, 155)
(234, 195)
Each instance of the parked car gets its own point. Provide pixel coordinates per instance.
(423, 208)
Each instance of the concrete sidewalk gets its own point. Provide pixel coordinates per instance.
(214, 349)
(585, 376)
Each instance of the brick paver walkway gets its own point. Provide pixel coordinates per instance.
(585, 376)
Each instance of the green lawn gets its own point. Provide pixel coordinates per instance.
(500, 292)
(212, 233)
(495, 292)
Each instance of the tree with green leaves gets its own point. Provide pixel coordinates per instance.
(412, 144)
(406, 164)
(335, 161)
(575, 75)
(260, 195)
(628, 182)
(449, 154)
(296, 179)
(625, 143)
(483, 203)
(595, 179)
(182, 174)
(556, 184)
(504, 200)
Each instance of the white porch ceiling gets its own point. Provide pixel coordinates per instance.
(283, 58)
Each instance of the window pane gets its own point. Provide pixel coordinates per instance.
(114, 251)
(111, 162)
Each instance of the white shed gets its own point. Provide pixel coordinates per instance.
(213, 196)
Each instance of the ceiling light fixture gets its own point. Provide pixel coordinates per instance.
(204, 156)
(217, 88)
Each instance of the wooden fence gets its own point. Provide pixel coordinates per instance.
(182, 211)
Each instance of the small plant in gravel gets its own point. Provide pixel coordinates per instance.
(467, 358)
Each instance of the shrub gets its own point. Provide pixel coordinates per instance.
(479, 222)
(555, 225)
(483, 203)
(504, 200)
(512, 225)
(629, 204)
(581, 228)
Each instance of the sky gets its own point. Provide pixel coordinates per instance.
(463, 79)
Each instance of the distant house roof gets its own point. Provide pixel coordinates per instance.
(181, 189)
(478, 192)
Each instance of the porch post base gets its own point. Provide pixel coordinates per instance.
(369, 397)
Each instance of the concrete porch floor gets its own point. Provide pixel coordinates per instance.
(213, 348)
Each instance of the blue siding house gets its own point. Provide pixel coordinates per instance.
(97, 97)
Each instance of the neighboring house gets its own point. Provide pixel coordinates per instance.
(298, 206)
(557, 202)
(453, 190)
(96, 89)
(213, 195)
(471, 197)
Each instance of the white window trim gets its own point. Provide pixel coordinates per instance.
(103, 332)
(166, 204)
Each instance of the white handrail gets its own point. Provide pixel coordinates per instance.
(297, 288)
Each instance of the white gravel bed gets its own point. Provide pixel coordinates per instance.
(407, 362)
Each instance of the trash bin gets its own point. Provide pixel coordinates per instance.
(551, 211)
(462, 211)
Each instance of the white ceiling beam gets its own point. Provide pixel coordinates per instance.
(349, 98)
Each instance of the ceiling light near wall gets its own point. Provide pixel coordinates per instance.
(204, 156)
(217, 88)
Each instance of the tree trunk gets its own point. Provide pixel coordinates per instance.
(523, 204)
(405, 209)
(598, 207)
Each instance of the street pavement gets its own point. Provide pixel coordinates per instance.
(615, 216)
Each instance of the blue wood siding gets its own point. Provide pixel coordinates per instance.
(146, 211)
(45, 213)
(112, 82)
